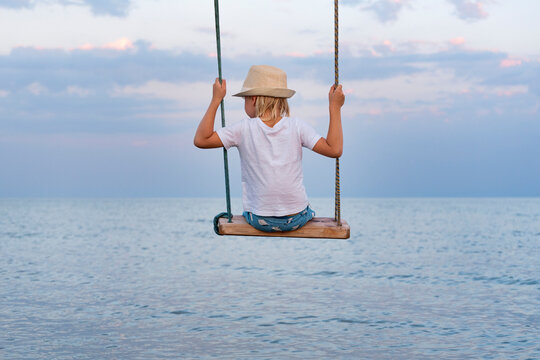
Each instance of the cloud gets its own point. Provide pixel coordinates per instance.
(100, 67)
(389, 10)
(420, 118)
(79, 91)
(471, 9)
(511, 90)
(131, 87)
(384, 48)
(37, 89)
(385, 10)
(120, 44)
(510, 63)
(457, 41)
(104, 90)
(17, 4)
(188, 94)
(119, 8)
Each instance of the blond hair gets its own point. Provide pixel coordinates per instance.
(273, 106)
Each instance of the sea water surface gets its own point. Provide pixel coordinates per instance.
(149, 279)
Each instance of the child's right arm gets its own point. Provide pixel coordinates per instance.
(206, 137)
(332, 146)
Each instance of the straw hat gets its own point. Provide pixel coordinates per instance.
(265, 80)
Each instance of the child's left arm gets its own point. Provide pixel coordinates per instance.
(206, 137)
(332, 145)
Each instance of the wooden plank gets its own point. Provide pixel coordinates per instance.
(318, 227)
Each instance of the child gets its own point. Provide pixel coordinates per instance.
(270, 146)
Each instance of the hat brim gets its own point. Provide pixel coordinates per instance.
(272, 92)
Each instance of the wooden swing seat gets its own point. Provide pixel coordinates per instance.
(318, 227)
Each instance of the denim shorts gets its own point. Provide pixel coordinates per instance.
(279, 223)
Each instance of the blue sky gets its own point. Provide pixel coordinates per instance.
(102, 98)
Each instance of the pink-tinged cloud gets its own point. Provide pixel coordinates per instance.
(324, 52)
(374, 53)
(457, 41)
(374, 112)
(506, 63)
(518, 90)
(296, 54)
(384, 48)
(120, 44)
(86, 46)
(471, 9)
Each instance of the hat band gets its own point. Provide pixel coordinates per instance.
(262, 91)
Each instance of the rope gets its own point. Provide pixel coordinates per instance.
(225, 157)
(216, 221)
(337, 212)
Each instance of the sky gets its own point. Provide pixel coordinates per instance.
(102, 98)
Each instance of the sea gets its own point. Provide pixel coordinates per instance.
(419, 278)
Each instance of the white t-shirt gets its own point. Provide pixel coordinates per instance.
(271, 162)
